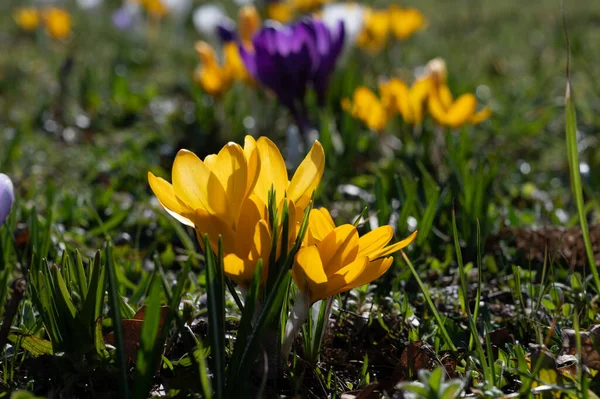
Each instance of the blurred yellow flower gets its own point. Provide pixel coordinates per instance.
(57, 22)
(396, 96)
(374, 34)
(366, 106)
(308, 5)
(28, 18)
(452, 112)
(155, 8)
(405, 21)
(339, 260)
(280, 11)
(248, 24)
(210, 75)
(233, 63)
(226, 195)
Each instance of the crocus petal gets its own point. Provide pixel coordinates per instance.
(481, 116)
(437, 109)
(338, 248)
(390, 249)
(214, 226)
(319, 225)
(272, 172)
(262, 243)
(253, 210)
(252, 161)
(345, 278)
(307, 176)
(308, 273)
(230, 168)
(462, 110)
(166, 196)
(189, 180)
(7, 196)
(445, 96)
(238, 270)
(374, 241)
(371, 272)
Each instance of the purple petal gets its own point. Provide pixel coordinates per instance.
(7, 197)
(226, 31)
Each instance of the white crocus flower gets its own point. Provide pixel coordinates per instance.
(352, 16)
(208, 17)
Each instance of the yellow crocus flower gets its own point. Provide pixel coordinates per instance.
(308, 5)
(155, 8)
(396, 96)
(405, 21)
(226, 195)
(452, 112)
(374, 34)
(28, 18)
(280, 11)
(212, 77)
(366, 106)
(340, 260)
(57, 22)
(248, 24)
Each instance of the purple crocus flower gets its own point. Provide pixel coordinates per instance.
(226, 32)
(7, 196)
(289, 58)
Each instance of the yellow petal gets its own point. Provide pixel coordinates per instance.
(339, 248)
(233, 63)
(481, 116)
(207, 223)
(371, 272)
(230, 168)
(166, 196)
(462, 110)
(320, 224)
(346, 278)
(390, 249)
(262, 244)
(253, 210)
(308, 273)
(241, 271)
(190, 176)
(248, 22)
(374, 241)
(307, 176)
(272, 171)
(445, 96)
(252, 162)
(437, 109)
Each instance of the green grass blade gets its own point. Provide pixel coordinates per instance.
(193, 345)
(431, 305)
(151, 343)
(114, 304)
(474, 338)
(245, 328)
(573, 155)
(216, 317)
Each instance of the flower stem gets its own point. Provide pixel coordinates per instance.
(297, 318)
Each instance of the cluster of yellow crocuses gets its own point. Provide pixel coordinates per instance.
(428, 93)
(226, 196)
(215, 77)
(378, 24)
(56, 21)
